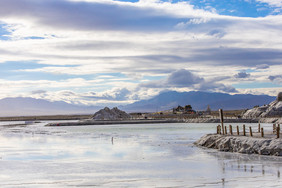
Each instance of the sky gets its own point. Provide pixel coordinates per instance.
(95, 52)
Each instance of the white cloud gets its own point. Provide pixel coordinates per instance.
(242, 75)
(277, 79)
(261, 91)
(186, 79)
(262, 66)
(275, 3)
(197, 21)
(138, 40)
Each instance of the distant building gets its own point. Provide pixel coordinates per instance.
(188, 108)
(184, 110)
(178, 109)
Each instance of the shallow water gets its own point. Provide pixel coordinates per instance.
(149, 155)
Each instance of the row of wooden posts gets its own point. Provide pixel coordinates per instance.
(223, 130)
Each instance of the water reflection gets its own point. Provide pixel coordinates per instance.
(243, 165)
(126, 156)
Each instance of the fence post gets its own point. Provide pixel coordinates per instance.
(244, 130)
(262, 134)
(238, 133)
(277, 132)
(274, 128)
(218, 129)
(259, 127)
(230, 129)
(221, 120)
(251, 133)
(225, 129)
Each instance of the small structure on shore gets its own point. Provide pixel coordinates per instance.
(208, 110)
(184, 110)
(111, 114)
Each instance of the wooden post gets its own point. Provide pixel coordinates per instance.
(251, 133)
(221, 120)
(262, 134)
(238, 133)
(277, 132)
(244, 130)
(225, 129)
(230, 129)
(259, 127)
(274, 128)
(218, 129)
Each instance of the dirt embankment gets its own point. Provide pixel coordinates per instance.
(242, 144)
(251, 120)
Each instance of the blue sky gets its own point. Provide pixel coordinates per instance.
(97, 52)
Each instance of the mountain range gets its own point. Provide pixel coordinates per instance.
(164, 101)
(199, 101)
(23, 106)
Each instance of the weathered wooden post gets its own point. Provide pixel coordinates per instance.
(274, 128)
(244, 130)
(218, 129)
(225, 129)
(221, 120)
(259, 127)
(251, 133)
(230, 129)
(238, 133)
(277, 132)
(262, 134)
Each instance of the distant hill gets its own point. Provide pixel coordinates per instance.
(21, 106)
(199, 101)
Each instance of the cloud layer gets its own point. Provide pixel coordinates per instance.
(95, 51)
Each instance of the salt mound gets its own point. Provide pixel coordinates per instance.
(274, 109)
(242, 144)
(111, 114)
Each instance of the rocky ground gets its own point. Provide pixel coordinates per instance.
(245, 120)
(217, 120)
(243, 144)
(272, 110)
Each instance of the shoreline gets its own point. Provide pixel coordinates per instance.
(148, 121)
(242, 144)
(253, 120)
(186, 120)
(46, 117)
(112, 122)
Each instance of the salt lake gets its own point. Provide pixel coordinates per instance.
(141, 155)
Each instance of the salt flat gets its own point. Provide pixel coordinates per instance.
(143, 155)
